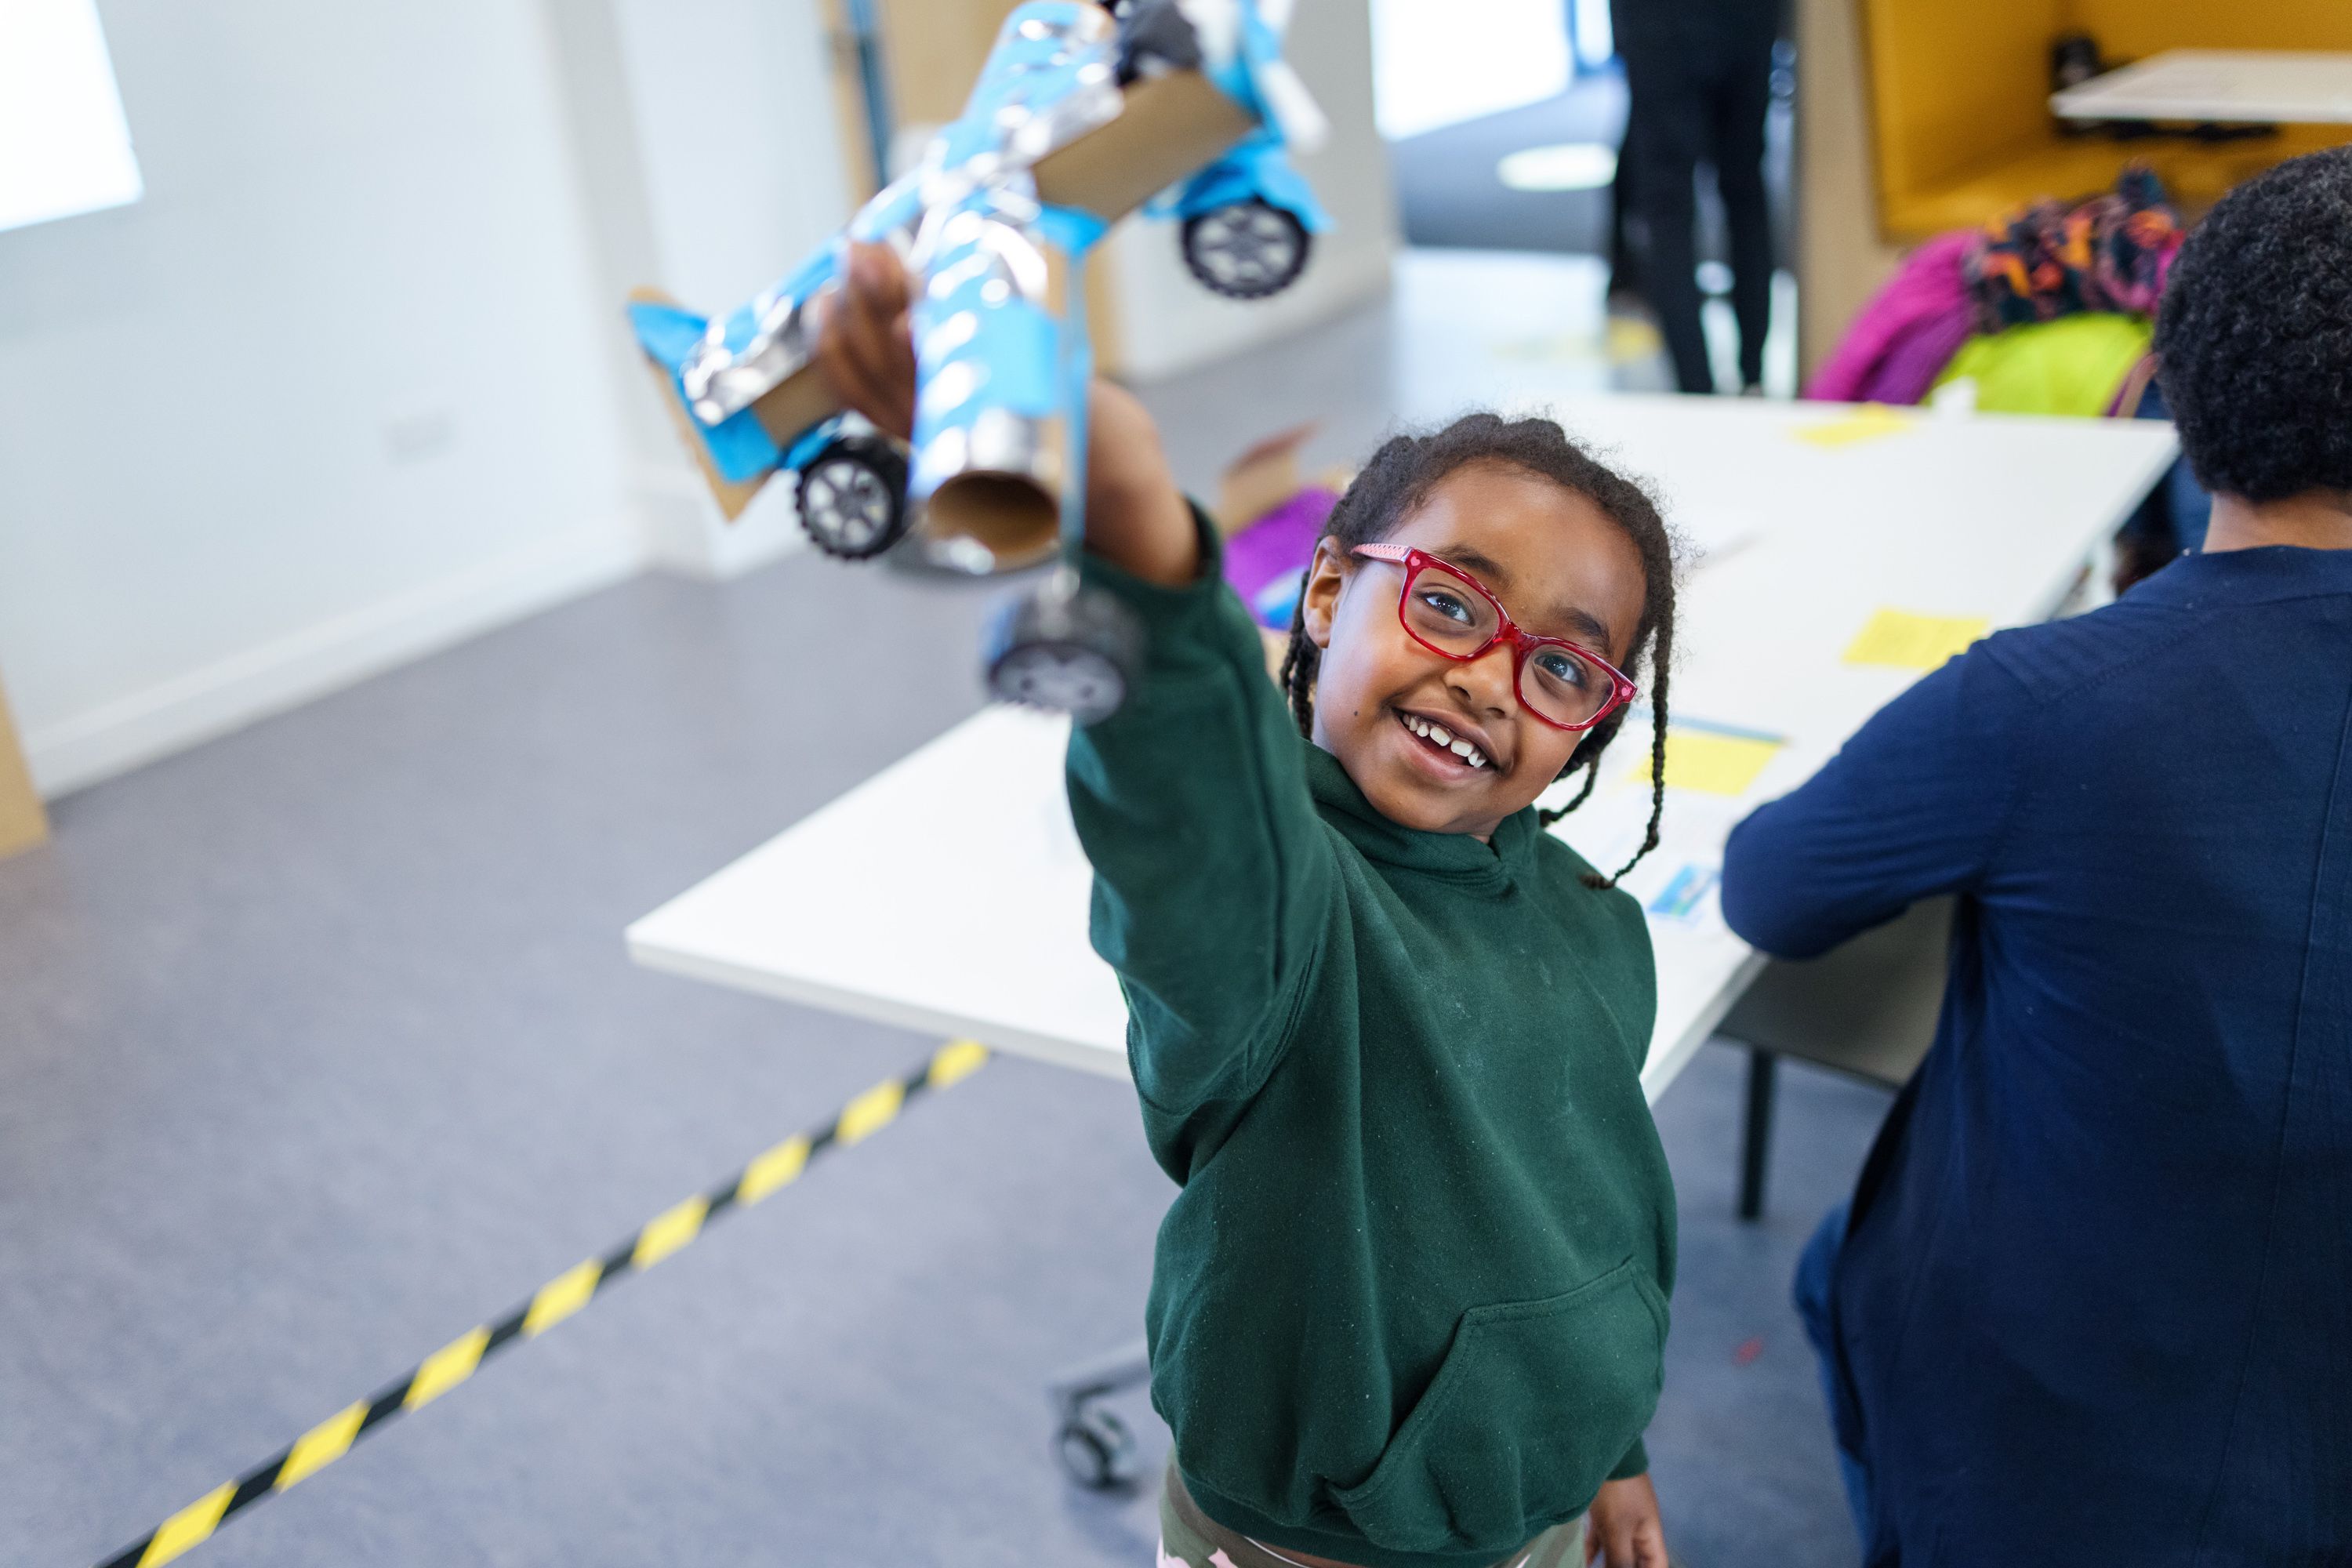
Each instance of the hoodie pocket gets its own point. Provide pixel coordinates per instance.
(1535, 1404)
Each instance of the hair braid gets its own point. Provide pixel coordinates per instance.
(1592, 770)
(1400, 476)
(1659, 664)
(1300, 664)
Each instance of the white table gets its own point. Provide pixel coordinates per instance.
(2260, 87)
(948, 894)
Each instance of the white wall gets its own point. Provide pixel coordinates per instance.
(352, 382)
(735, 122)
(322, 399)
(740, 176)
(1167, 322)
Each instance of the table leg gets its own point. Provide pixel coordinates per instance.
(1755, 1138)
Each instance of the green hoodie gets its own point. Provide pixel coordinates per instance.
(1409, 1308)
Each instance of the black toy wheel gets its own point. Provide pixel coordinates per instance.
(1246, 250)
(1071, 649)
(854, 497)
(1096, 1449)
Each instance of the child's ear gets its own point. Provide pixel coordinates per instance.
(1318, 601)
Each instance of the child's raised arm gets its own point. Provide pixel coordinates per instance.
(1136, 517)
(1213, 873)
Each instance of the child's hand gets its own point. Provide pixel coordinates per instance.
(1622, 1529)
(864, 348)
(1136, 517)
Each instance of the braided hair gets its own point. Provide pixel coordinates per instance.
(1401, 476)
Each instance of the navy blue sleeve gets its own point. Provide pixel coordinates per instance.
(1913, 806)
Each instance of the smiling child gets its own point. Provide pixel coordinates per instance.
(1409, 1307)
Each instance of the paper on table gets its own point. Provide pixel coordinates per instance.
(1868, 423)
(1684, 897)
(1675, 884)
(1712, 763)
(1906, 641)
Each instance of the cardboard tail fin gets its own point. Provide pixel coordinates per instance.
(736, 457)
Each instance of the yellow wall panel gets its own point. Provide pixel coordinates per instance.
(1954, 85)
(2130, 30)
(1960, 124)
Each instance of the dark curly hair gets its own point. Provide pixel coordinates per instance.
(1399, 479)
(2254, 335)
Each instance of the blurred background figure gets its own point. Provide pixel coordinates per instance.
(1624, 272)
(1700, 74)
(1507, 126)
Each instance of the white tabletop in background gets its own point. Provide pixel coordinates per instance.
(2266, 87)
(949, 894)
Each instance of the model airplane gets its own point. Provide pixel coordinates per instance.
(1081, 115)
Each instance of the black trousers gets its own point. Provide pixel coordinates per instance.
(1694, 101)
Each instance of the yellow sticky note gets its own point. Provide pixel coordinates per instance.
(1558, 348)
(1712, 763)
(1904, 641)
(1632, 339)
(1868, 423)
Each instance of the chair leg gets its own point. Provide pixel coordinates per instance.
(1094, 1444)
(1756, 1139)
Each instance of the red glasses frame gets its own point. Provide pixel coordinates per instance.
(1523, 643)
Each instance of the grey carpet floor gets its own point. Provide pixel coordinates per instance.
(317, 1047)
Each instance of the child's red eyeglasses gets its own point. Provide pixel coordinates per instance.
(1451, 613)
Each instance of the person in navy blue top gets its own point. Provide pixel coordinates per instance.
(2091, 1302)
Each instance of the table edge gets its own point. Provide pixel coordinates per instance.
(1004, 1039)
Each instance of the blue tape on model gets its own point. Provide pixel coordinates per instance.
(739, 448)
(1280, 184)
(1232, 76)
(1014, 353)
(1077, 370)
(743, 322)
(812, 441)
(1033, 51)
(897, 207)
(666, 332)
(1073, 232)
(1258, 170)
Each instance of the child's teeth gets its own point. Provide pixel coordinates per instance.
(1440, 735)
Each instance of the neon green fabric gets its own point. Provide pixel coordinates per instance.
(2071, 365)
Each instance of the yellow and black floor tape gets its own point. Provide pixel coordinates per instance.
(552, 1302)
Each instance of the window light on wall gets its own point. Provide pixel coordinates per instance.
(1439, 62)
(64, 145)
